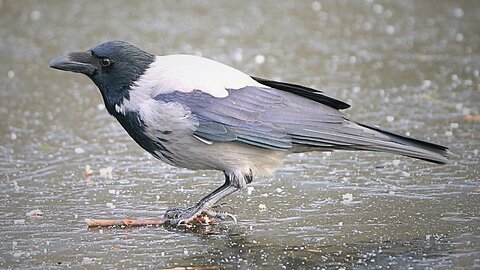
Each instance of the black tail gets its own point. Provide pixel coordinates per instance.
(411, 147)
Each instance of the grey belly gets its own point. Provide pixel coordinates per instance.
(189, 152)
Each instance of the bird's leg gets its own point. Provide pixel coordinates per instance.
(206, 205)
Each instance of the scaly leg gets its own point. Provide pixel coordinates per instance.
(178, 216)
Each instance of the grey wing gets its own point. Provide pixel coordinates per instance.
(263, 117)
(281, 120)
(235, 117)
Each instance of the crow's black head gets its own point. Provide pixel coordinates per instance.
(113, 66)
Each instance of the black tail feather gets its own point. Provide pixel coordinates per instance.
(439, 154)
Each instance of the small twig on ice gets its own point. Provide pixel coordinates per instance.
(202, 219)
(123, 222)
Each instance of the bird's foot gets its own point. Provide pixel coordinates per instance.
(220, 212)
(182, 216)
(197, 215)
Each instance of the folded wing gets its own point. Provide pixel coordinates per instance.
(291, 121)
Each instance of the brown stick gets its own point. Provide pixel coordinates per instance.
(91, 223)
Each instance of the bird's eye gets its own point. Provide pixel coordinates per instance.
(105, 62)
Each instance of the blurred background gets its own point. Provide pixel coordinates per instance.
(409, 66)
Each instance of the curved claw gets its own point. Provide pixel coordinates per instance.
(220, 215)
(182, 222)
(231, 216)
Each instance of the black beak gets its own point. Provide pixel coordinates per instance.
(80, 62)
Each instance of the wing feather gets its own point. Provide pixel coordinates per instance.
(279, 120)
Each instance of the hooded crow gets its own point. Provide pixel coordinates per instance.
(196, 113)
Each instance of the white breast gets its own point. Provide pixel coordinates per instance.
(186, 73)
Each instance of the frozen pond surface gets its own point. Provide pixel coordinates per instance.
(409, 66)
